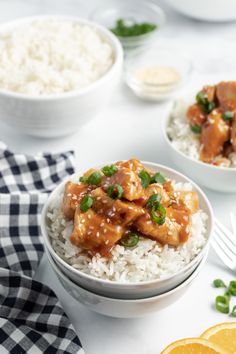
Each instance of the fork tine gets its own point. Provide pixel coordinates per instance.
(233, 223)
(228, 234)
(221, 255)
(225, 248)
(228, 243)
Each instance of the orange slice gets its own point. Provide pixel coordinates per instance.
(194, 346)
(223, 334)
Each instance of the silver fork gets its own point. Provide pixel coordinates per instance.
(224, 243)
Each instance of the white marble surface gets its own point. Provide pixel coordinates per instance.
(129, 128)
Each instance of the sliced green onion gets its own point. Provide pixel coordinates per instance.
(115, 191)
(227, 115)
(109, 170)
(130, 240)
(158, 214)
(227, 293)
(218, 283)
(222, 304)
(232, 287)
(86, 203)
(233, 312)
(201, 98)
(83, 179)
(95, 178)
(154, 200)
(158, 178)
(196, 128)
(145, 178)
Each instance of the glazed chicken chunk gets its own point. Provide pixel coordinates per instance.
(93, 232)
(144, 204)
(213, 117)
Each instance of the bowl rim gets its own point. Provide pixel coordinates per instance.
(165, 123)
(111, 38)
(79, 273)
(148, 4)
(187, 281)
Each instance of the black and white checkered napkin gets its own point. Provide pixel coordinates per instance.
(31, 318)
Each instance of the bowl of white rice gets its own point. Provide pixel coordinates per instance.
(183, 147)
(56, 73)
(146, 270)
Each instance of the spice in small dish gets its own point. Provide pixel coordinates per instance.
(154, 82)
(158, 75)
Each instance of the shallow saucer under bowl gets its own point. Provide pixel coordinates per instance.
(126, 290)
(124, 308)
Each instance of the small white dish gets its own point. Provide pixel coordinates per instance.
(124, 308)
(60, 114)
(139, 289)
(220, 179)
(158, 58)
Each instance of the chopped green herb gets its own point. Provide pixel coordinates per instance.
(122, 28)
(196, 128)
(86, 203)
(83, 179)
(130, 240)
(95, 178)
(222, 304)
(218, 283)
(158, 178)
(145, 178)
(202, 100)
(233, 312)
(227, 115)
(115, 191)
(158, 214)
(232, 287)
(108, 171)
(154, 200)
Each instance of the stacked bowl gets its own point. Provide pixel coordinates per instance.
(123, 299)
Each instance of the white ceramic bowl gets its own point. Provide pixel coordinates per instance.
(130, 290)
(60, 114)
(207, 10)
(124, 308)
(221, 179)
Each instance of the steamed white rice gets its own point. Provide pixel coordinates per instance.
(148, 260)
(181, 136)
(49, 56)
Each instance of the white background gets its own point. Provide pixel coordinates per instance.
(131, 128)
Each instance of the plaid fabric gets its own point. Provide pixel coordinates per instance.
(31, 318)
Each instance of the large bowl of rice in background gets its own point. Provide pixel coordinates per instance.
(183, 147)
(144, 271)
(56, 73)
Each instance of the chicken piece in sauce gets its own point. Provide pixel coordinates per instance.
(213, 117)
(93, 232)
(214, 135)
(173, 232)
(73, 194)
(226, 95)
(128, 180)
(119, 212)
(105, 221)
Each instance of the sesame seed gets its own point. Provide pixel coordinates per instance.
(106, 242)
(69, 195)
(104, 230)
(102, 224)
(98, 234)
